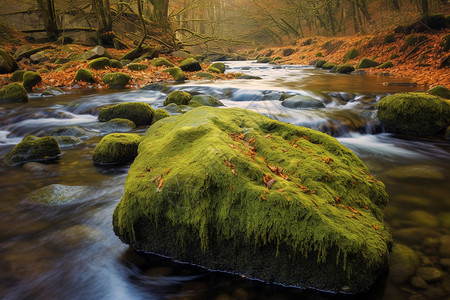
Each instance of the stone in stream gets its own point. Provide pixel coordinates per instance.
(117, 125)
(159, 114)
(34, 149)
(178, 98)
(429, 274)
(139, 113)
(30, 80)
(233, 190)
(74, 131)
(302, 102)
(57, 194)
(172, 108)
(206, 100)
(404, 263)
(116, 148)
(13, 92)
(67, 141)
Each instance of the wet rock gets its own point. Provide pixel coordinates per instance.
(159, 114)
(205, 75)
(161, 61)
(157, 86)
(7, 63)
(302, 102)
(84, 75)
(75, 131)
(190, 65)
(416, 171)
(444, 250)
(100, 63)
(95, 52)
(176, 73)
(139, 113)
(404, 263)
(429, 274)
(57, 194)
(117, 125)
(34, 149)
(414, 113)
(173, 108)
(116, 79)
(137, 67)
(342, 96)
(206, 100)
(78, 235)
(13, 92)
(423, 219)
(67, 141)
(30, 80)
(204, 195)
(179, 98)
(52, 91)
(419, 283)
(218, 66)
(116, 148)
(414, 236)
(248, 77)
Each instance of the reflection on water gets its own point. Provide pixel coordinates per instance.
(69, 251)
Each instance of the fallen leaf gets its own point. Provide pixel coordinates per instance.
(280, 190)
(263, 197)
(167, 171)
(161, 182)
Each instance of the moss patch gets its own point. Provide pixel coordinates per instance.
(231, 189)
(328, 66)
(99, 63)
(386, 65)
(160, 114)
(353, 53)
(139, 113)
(117, 148)
(84, 75)
(178, 97)
(161, 61)
(176, 73)
(414, 113)
(34, 149)
(205, 75)
(14, 92)
(207, 100)
(366, 63)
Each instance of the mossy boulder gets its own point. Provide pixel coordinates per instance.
(205, 75)
(7, 63)
(367, 63)
(13, 92)
(412, 39)
(219, 66)
(179, 98)
(206, 100)
(137, 67)
(67, 141)
(161, 61)
(32, 148)
(319, 63)
(389, 39)
(116, 79)
(17, 76)
(99, 63)
(264, 60)
(117, 125)
(414, 113)
(84, 75)
(114, 63)
(57, 194)
(440, 91)
(302, 102)
(159, 114)
(139, 113)
(233, 190)
(351, 54)
(328, 66)
(176, 73)
(405, 262)
(30, 80)
(345, 69)
(190, 65)
(386, 65)
(173, 108)
(116, 148)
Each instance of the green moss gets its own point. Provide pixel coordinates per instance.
(394, 56)
(345, 69)
(173, 108)
(386, 65)
(17, 76)
(366, 63)
(320, 63)
(446, 43)
(178, 97)
(14, 92)
(328, 66)
(84, 75)
(176, 73)
(205, 75)
(137, 67)
(114, 63)
(30, 80)
(160, 114)
(205, 201)
(414, 113)
(161, 61)
(99, 63)
(412, 39)
(7, 63)
(116, 79)
(34, 149)
(190, 65)
(117, 148)
(219, 66)
(207, 100)
(389, 39)
(351, 54)
(213, 70)
(67, 141)
(260, 47)
(440, 91)
(138, 112)
(319, 54)
(264, 60)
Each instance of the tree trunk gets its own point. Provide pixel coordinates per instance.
(355, 19)
(395, 4)
(425, 8)
(47, 8)
(160, 11)
(104, 22)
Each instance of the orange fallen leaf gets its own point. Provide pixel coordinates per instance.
(280, 190)
(167, 171)
(161, 182)
(375, 226)
(263, 197)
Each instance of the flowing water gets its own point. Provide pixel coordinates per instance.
(70, 251)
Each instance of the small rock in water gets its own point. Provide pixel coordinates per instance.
(417, 171)
(404, 262)
(445, 262)
(419, 282)
(429, 274)
(423, 219)
(79, 234)
(57, 194)
(444, 250)
(414, 236)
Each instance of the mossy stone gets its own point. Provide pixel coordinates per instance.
(137, 67)
(264, 60)
(176, 73)
(366, 63)
(219, 66)
(386, 65)
(13, 92)
(99, 63)
(84, 75)
(74, 131)
(389, 39)
(302, 102)
(57, 194)
(206, 197)
(213, 70)
(117, 148)
(190, 65)
(319, 54)
(320, 63)
(173, 108)
(345, 69)
(117, 125)
(116, 79)
(7, 63)
(159, 114)
(114, 63)
(205, 75)
(207, 100)
(440, 91)
(139, 113)
(414, 113)
(34, 149)
(161, 61)
(328, 66)
(17, 76)
(405, 262)
(67, 141)
(446, 43)
(351, 54)
(30, 80)
(179, 98)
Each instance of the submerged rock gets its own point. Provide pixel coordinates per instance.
(414, 113)
(404, 263)
(302, 102)
(206, 100)
(57, 194)
(13, 92)
(117, 125)
(233, 190)
(117, 148)
(74, 131)
(67, 141)
(139, 113)
(34, 149)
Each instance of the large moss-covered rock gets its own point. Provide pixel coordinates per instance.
(139, 112)
(319, 63)
(440, 91)
(190, 65)
(30, 80)
(17, 76)
(178, 97)
(13, 92)
(233, 190)
(345, 69)
(84, 75)
(7, 63)
(161, 61)
(99, 63)
(176, 73)
(328, 66)
(34, 149)
(367, 63)
(117, 148)
(116, 79)
(414, 113)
